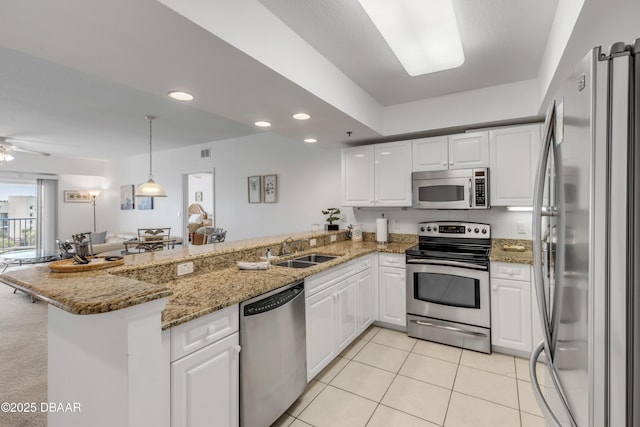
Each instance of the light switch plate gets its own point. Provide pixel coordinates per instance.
(334, 238)
(522, 227)
(312, 242)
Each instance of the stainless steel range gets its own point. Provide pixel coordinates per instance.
(448, 296)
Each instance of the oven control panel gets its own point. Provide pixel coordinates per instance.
(472, 230)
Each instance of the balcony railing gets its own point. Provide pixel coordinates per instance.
(17, 233)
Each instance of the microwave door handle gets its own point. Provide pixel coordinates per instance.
(470, 195)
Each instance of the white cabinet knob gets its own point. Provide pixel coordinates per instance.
(237, 348)
(494, 288)
(444, 163)
(451, 163)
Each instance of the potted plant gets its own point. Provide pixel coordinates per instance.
(332, 212)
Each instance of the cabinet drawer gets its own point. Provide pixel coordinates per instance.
(506, 270)
(391, 260)
(318, 282)
(198, 333)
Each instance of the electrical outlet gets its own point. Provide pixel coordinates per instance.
(395, 224)
(312, 242)
(334, 238)
(184, 268)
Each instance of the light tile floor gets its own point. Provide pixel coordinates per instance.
(386, 379)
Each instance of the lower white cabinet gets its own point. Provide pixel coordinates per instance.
(511, 326)
(392, 289)
(205, 383)
(337, 314)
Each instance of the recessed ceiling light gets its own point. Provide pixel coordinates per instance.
(180, 96)
(301, 116)
(262, 124)
(423, 34)
(310, 140)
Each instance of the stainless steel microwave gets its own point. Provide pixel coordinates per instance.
(451, 189)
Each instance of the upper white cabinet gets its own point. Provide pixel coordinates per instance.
(514, 158)
(377, 175)
(358, 180)
(461, 151)
(430, 154)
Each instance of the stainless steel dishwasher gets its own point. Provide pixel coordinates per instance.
(273, 360)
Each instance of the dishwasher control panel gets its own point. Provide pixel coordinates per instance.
(274, 301)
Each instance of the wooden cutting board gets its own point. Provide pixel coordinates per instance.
(96, 263)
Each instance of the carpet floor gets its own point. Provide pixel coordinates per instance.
(23, 357)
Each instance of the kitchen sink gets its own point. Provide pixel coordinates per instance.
(306, 261)
(294, 263)
(317, 258)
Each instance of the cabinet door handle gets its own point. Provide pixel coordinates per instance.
(237, 348)
(494, 288)
(451, 163)
(444, 163)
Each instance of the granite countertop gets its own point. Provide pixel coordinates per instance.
(499, 254)
(149, 276)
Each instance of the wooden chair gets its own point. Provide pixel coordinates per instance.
(199, 239)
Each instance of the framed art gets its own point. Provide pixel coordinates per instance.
(270, 184)
(198, 196)
(255, 189)
(126, 197)
(144, 203)
(73, 196)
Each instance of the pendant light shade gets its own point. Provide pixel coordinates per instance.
(150, 188)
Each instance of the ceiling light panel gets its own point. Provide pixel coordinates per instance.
(262, 124)
(423, 34)
(310, 140)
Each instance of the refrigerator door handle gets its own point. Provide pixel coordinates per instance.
(537, 392)
(538, 196)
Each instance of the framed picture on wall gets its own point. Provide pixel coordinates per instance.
(254, 189)
(73, 196)
(127, 202)
(270, 183)
(144, 203)
(198, 196)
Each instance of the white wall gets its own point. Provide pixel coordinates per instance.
(497, 103)
(504, 224)
(78, 217)
(308, 181)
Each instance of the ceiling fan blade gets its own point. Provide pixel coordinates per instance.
(26, 150)
(6, 144)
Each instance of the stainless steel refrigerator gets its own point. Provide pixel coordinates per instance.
(586, 245)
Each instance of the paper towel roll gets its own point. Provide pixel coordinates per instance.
(381, 230)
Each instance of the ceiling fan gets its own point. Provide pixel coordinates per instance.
(6, 148)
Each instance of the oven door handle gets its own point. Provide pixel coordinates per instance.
(445, 262)
(450, 328)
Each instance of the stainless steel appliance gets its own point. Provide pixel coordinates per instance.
(586, 245)
(448, 285)
(451, 189)
(273, 360)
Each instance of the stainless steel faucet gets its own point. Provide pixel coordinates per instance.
(284, 249)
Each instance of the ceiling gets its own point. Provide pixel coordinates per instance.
(78, 76)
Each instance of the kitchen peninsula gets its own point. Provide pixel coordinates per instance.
(109, 330)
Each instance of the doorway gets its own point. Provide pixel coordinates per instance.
(198, 201)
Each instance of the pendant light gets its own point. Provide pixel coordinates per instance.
(150, 188)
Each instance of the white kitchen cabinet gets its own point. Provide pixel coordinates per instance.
(511, 326)
(430, 154)
(205, 386)
(392, 289)
(469, 150)
(205, 370)
(358, 180)
(514, 158)
(367, 299)
(336, 310)
(377, 175)
(460, 151)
